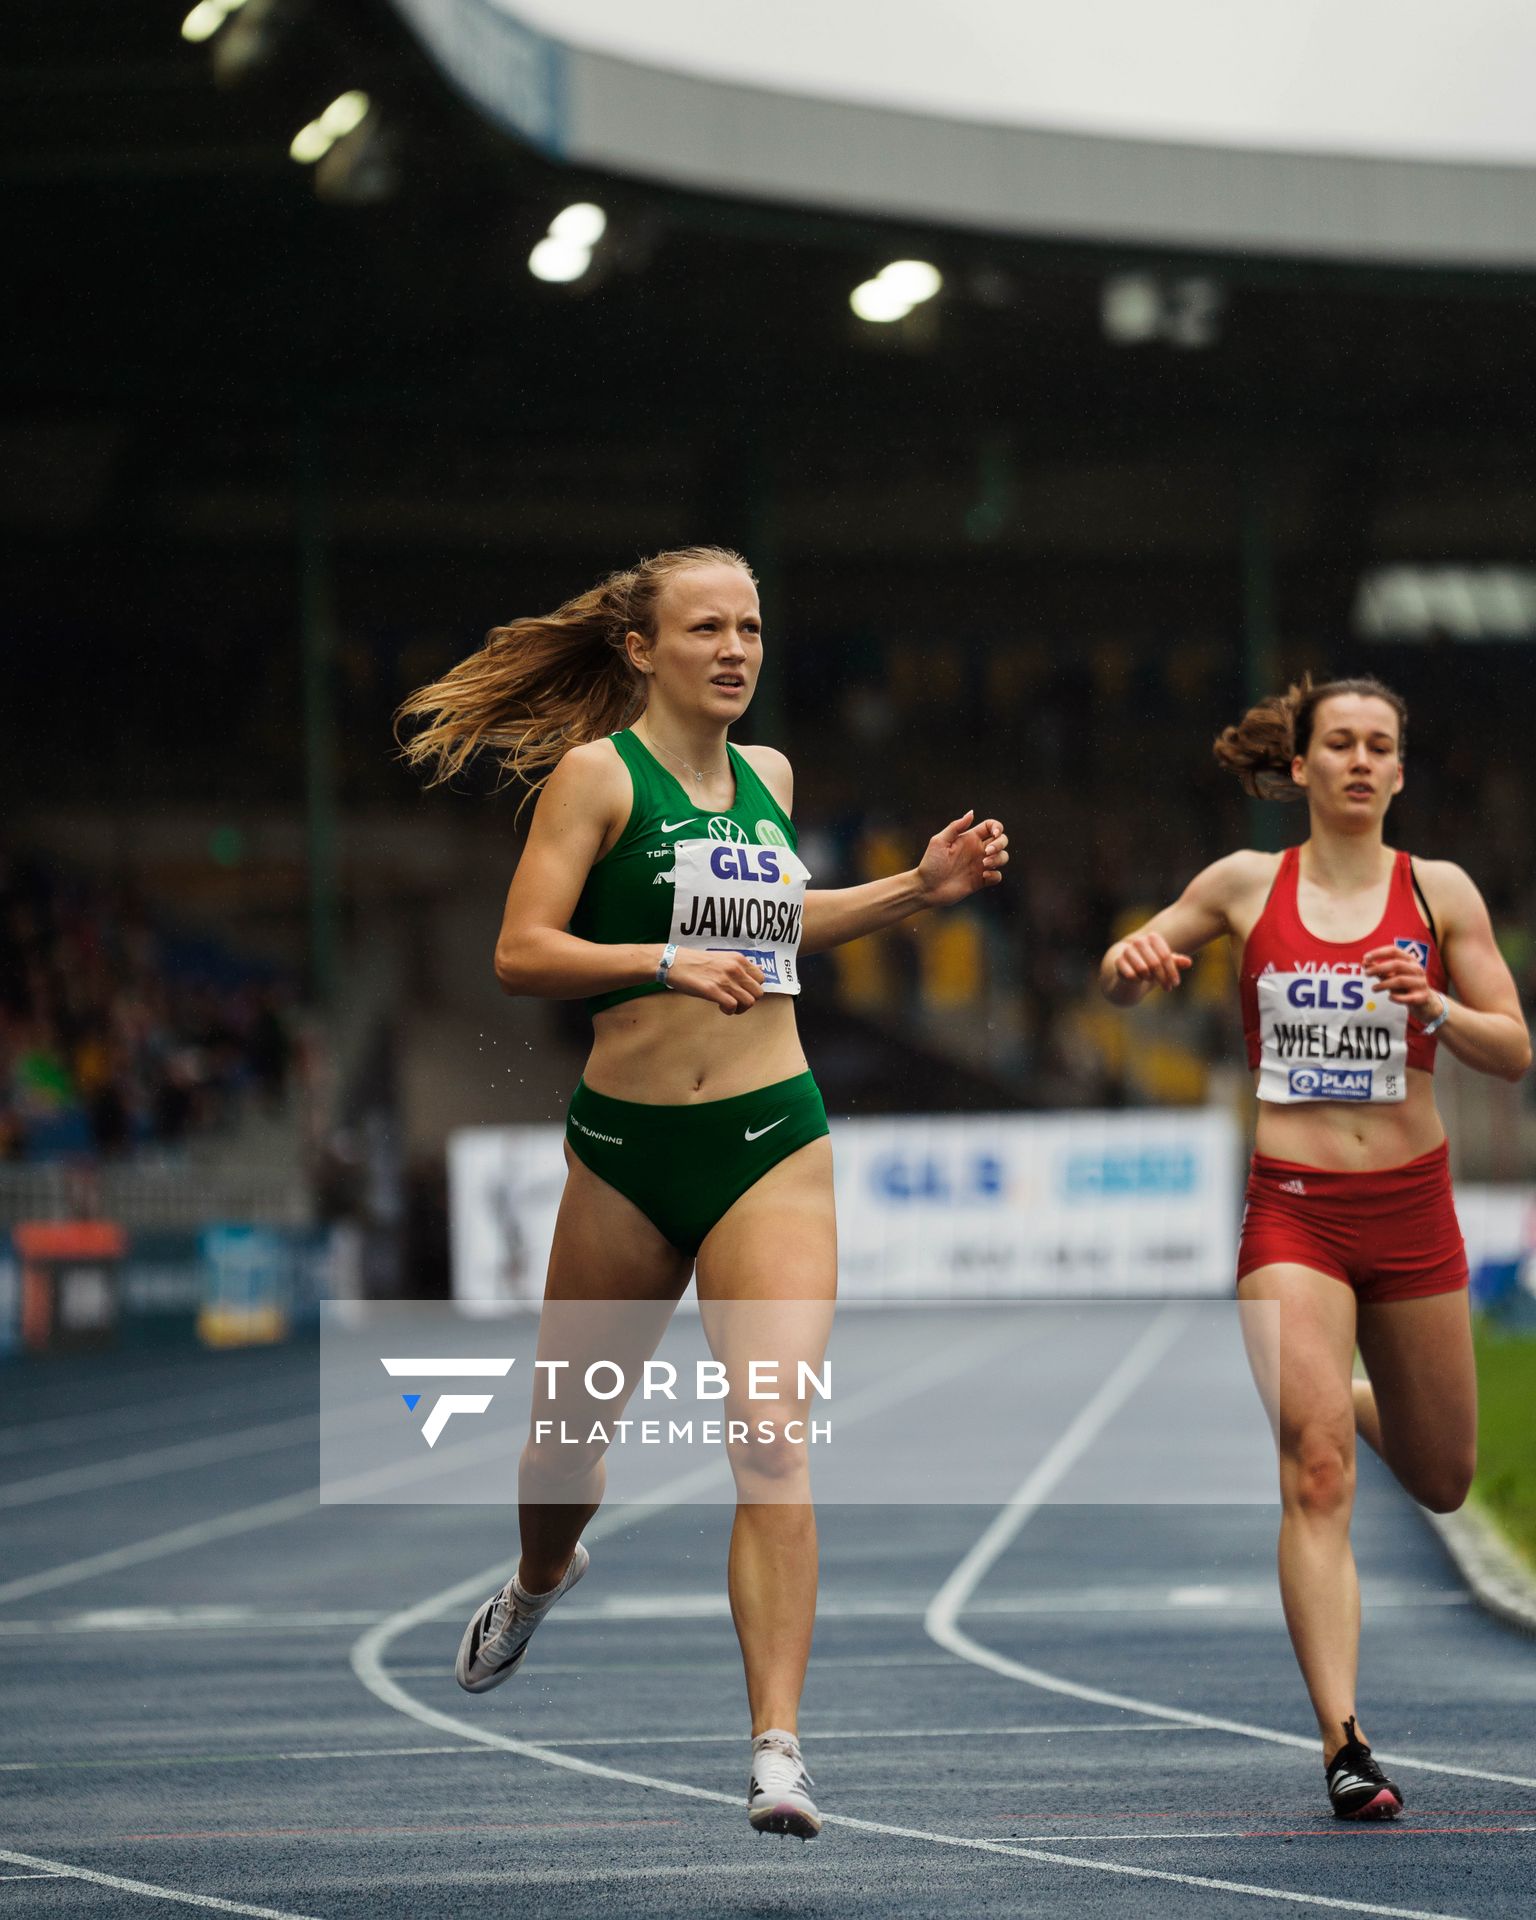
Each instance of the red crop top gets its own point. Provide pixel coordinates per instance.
(1316, 1028)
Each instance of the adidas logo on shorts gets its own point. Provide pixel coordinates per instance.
(1293, 1186)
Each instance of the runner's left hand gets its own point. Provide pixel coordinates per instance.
(1405, 981)
(961, 859)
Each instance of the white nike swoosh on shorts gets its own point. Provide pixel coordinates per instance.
(671, 826)
(750, 1135)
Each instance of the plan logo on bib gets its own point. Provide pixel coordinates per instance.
(1330, 1083)
(722, 829)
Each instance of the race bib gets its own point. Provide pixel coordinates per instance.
(1330, 1036)
(734, 898)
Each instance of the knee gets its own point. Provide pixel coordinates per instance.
(768, 1441)
(1320, 1477)
(547, 1463)
(1445, 1487)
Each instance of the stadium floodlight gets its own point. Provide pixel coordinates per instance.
(309, 144)
(344, 115)
(1408, 602)
(879, 302)
(914, 280)
(1131, 308)
(559, 261)
(895, 290)
(205, 19)
(1137, 307)
(581, 225)
(346, 111)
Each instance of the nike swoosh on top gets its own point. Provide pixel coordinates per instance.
(671, 826)
(768, 1129)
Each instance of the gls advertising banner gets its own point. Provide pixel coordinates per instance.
(1111, 1204)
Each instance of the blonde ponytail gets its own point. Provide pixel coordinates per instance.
(547, 682)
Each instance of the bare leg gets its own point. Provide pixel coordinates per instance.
(777, 1244)
(1310, 1406)
(1367, 1419)
(1419, 1408)
(604, 1249)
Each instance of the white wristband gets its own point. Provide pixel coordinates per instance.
(1434, 1026)
(664, 966)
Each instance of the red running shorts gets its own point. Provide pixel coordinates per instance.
(1391, 1235)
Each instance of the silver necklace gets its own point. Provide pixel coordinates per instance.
(698, 776)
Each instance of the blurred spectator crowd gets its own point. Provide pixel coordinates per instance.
(118, 1034)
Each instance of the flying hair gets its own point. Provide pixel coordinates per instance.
(1273, 732)
(546, 682)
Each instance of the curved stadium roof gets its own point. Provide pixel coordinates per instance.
(1391, 130)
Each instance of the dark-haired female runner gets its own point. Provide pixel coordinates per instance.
(1345, 952)
(692, 1139)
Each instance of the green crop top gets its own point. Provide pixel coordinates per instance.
(735, 880)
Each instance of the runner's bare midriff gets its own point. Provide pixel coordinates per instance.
(672, 1050)
(1343, 1137)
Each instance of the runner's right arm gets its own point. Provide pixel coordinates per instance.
(1159, 954)
(582, 808)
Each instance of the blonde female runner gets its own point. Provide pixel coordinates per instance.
(1347, 951)
(660, 881)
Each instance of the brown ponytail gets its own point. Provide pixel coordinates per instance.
(547, 682)
(1270, 735)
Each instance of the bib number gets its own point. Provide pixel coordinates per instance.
(729, 898)
(1330, 1036)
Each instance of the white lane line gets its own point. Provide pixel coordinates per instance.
(1160, 1598)
(880, 1734)
(33, 1435)
(61, 1869)
(214, 1618)
(271, 1513)
(223, 1617)
(1048, 1473)
(254, 1756)
(366, 1661)
(267, 1513)
(1175, 1834)
(943, 1617)
(224, 1526)
(210, 1451)
(32, 1876)
(370, 1648)
(1252, 1834)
